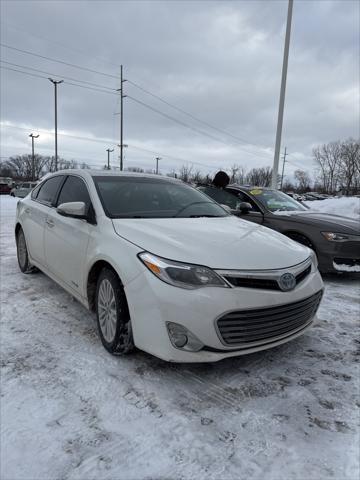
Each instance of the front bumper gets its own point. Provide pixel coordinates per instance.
(152, 303)
(339, 253)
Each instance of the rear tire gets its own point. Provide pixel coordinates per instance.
(22, 253)
(112, 313)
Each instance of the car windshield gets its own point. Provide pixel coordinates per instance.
(146, 197)
(276, 201)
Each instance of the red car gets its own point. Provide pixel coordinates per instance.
(5, 189)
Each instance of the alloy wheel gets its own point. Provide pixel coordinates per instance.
(107, 310)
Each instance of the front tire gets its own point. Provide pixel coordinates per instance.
(22, 253)
(112, 313)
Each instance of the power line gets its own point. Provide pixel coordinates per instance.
(177, 159)
(56, 75)
(67, 83)
(58, 61)
(106, 141)
(238, 139)
(101, 89)
(180, 122)
(193, 116)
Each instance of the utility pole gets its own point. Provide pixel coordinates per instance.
(56, 82)
(33, 155)
(274, 179)
(283, 168)
(121, 145)
(108, 157)
(157, 165)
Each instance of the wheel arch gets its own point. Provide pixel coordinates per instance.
(92, 278)
(18, 226)
(295, 233)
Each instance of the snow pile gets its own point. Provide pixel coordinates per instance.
(70, 410)
(344, 206)
(346, 268)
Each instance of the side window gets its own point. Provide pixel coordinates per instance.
(74, 190)
(243, 197)
(49, 189)
(35, 192)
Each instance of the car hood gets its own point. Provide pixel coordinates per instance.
(326, 220)
(222, 242)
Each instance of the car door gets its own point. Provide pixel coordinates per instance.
(36, 210)
(66, 239)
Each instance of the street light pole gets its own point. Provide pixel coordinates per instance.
(56, 82)
(121, 144)
(283, 168)
(108, 157)
(157, 164)
(33, 155)
(274, 179)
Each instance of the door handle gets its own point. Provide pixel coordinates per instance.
(27, 210)
(50, 223)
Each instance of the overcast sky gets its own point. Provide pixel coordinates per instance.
(220, 61)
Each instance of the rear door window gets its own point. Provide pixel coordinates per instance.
(49, 189)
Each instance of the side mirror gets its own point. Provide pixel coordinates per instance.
(245, 207)
(73, 209)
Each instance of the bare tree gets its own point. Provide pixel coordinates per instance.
(328, 158)
(20, 166)
(233, 173)
(303, 179)
(288, 186)
(185, 173)
(350, 165)
(260, 177)
(135, 169)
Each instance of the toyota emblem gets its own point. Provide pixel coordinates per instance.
(287, 282)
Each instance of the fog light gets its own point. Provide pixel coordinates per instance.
(182, 338)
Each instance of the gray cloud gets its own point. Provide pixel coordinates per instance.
(220, 61)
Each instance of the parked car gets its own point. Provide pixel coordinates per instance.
(5, 189)
(23, 189)
(335, 239)
(165, 268)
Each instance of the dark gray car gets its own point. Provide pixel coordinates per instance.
(335, 239)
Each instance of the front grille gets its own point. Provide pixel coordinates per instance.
(262, 325)
(263, 283)
(302, 275)
(350, 262)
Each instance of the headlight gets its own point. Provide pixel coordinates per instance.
(340, 237)
(182, 275)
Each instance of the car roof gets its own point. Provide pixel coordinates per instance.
(248, 187)
(105, 173)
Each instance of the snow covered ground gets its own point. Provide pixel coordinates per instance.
(69, 410)
(346, 206)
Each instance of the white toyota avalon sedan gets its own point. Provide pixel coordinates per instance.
(165, 268)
